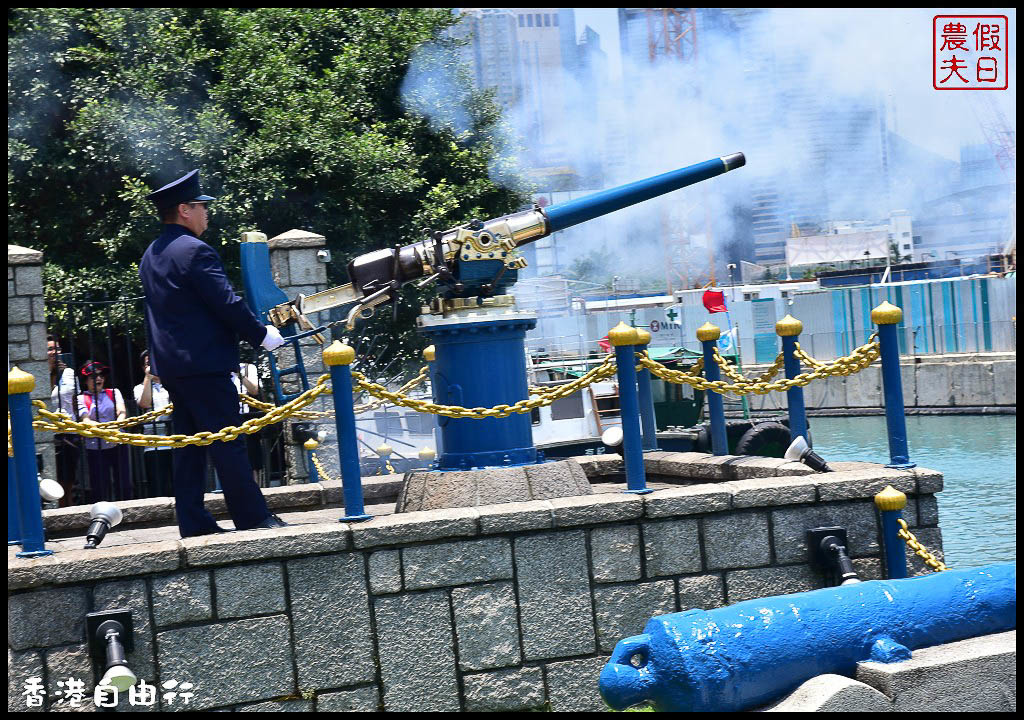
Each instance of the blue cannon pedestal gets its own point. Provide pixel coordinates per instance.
(480, 361)
(743, 656)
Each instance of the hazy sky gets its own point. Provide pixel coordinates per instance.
(887, 49)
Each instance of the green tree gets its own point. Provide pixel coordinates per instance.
(296, 118)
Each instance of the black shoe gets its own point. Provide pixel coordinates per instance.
(272, 521)
(210, 531)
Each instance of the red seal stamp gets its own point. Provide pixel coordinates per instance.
(970, 52)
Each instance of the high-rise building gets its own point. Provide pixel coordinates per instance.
(492, 51)
(828, 154)
(547, 55)
(529, 55)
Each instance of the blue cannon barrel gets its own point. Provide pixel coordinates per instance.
(746, 655)
(574, 212)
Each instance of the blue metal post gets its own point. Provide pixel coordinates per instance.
(708, 335)
(625, 339)
(789, 329)
(311, 445)
(643, 384)
(13, 521)
(339, 358)
(890, 503)
(887, 316)
(30, 510)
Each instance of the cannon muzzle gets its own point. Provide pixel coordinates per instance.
(480, 257)
(574, 212)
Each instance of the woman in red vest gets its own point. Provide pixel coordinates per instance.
(107, 461)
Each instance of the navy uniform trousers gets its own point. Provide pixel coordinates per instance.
(209, 403)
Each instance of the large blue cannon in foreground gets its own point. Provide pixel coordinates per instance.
(746, 655)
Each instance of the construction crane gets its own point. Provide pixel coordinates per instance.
(672, 35)
(672, 32)
(1002, 139)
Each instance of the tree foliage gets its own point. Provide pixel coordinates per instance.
(295, 117)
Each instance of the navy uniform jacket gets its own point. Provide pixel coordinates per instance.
(193, 315)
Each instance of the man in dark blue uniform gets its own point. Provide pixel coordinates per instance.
(194, 320)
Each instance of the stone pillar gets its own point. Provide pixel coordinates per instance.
(297, 268)
(26, 334)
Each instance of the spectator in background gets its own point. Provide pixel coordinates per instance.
(150, 394)
(67, 446)
(107, 461)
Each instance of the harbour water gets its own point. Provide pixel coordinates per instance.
(977, 454)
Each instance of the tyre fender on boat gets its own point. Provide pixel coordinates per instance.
(768, 439)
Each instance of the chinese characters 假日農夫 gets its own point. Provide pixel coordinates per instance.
(970, 52)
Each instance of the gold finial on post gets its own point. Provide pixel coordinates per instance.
(622, 334)
(886, 314)
(788, 326)
(338, 354)
(19, 381)
(311, 444)
(643, 337)
(890, 499)
(707, 331)
(429, 353)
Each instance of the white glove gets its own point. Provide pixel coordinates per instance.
(273, 340)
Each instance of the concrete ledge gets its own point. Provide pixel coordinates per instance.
(378, 488)
(772, 491)
(596, 466)
(976, 675)
(690, 467)
(973, 675)
(75, 566)
(832, 693)
(856, 484)
(415, 527)
(593, 509)
(17, 255)
(692, 500)
(136, 512)
(292, 541)
(707, 467)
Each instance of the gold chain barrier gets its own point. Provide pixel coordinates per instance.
(109, 431)
(320, 471)
(801, 355)
(59, 422)
(859, 359)
(415, 382)
(737, 377)
(539, 391)
(604, 370)
(920, 550)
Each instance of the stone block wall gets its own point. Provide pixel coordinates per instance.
(26, 333)
(951, 381)
(297, 269)
(504, 607)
